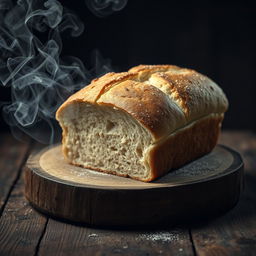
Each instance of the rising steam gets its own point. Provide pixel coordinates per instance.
(102, 8)
(39, 79)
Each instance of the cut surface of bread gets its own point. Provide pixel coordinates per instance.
(105, 138)
(142, 123)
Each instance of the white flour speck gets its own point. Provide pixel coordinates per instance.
(93, 235)
(160, 236)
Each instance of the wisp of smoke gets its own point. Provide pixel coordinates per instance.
(38, 78)
(102, 8)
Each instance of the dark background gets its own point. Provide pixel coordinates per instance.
(218, 40)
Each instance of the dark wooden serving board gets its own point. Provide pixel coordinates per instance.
(206, 187)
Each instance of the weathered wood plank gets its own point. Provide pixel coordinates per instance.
(21, 227)
(234, 233)
(12, 155)
(65, 239)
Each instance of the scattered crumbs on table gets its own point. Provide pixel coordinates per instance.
(163, 236)
(93, 235)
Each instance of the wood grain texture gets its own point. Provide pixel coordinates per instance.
(208, 186)
(66, 239)
(21, 227)
(12, 156)
(235, 233)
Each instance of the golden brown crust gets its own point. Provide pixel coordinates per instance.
(184, 146)
(196, 94)
(147, 104)
(153, 68)
(154, 95)
(98, 86)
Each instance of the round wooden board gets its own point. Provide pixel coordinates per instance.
(205, 187)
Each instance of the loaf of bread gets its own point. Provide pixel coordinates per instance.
(142, 123)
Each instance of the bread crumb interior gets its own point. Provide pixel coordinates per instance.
(106, 139)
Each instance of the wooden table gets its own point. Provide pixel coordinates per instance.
(24, 231)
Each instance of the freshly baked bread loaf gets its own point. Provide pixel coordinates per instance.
(142, 123)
